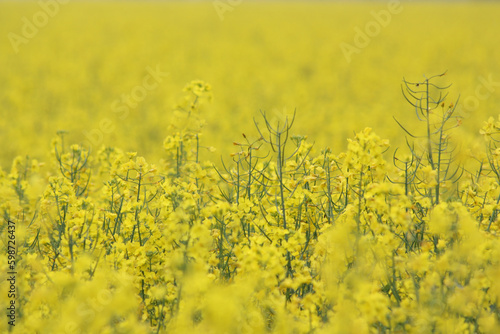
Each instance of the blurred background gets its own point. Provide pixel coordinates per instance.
(89, 68)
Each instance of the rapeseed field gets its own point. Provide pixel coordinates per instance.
(249, 167)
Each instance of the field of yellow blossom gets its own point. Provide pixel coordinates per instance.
(249, 167)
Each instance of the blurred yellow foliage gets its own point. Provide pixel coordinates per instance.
(281, 236)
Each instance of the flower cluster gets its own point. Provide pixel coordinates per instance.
(280, 239)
